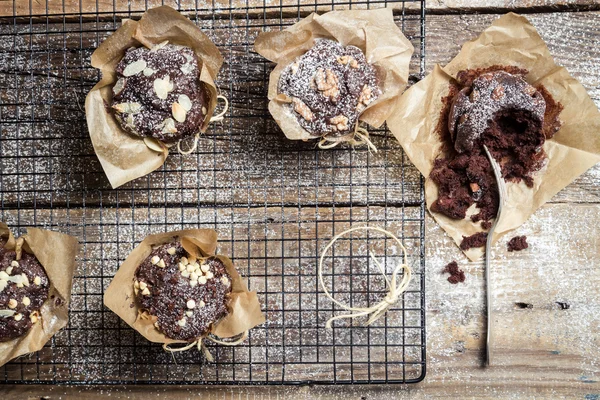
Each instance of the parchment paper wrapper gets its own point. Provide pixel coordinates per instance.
(511, 40)
(56, 252)
(123, 156)
(373, 31)
(244, 307)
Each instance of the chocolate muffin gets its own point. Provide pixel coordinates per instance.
(24, 288)
(494, 106)
(330, 86)
(186, 297)
(158, 93)
(492, 97)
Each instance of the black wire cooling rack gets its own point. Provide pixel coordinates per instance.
(275, 204)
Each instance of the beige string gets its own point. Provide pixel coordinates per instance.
(219, 116)
(215, 118)
(394, 291)
(202, 347)
(361, 133)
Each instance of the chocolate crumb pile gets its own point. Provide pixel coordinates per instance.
(476, 240)
(330, 86)
(518, 243)
(158, 93)
(494, 106)
(24, 288)
(456, 274)
(186, 297)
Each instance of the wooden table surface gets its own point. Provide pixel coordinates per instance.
(547, 298)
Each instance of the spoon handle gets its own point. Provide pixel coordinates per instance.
(501, 194)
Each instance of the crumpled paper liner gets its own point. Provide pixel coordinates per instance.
(125, 157)
(56, 252)
(510, 40)
(244, 306)
(373, 31)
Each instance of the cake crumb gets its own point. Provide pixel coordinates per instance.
(518, 243)
(476, 240)
(456, 274)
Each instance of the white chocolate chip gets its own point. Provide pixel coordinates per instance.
(37, 281)
(156, 324)
(181, 267)
(202, 280)
(134, 68)
(20, 285)
(201, 304)
(14, 264)
(189, 313)
(155, 260)
(185, 102)
(184, 261)
(179, 112)
(191, 304)
(9, 270)
(136, 284)
(146, 292)
(26, 301)
(209, 275)
(204, 110)
(161, 263)
(182, 322)
(205, 267)
(159, 46)
(149, 71)
(3, 275)
(185, 274)
(190, 268)
(143, 285)
(194, 276)
(12, 303)
(193, 283)
(171, 250)
(225, 280)
(18, 317)
(34, 318)
(162, 87)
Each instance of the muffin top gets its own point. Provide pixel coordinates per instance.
(24, 287)
(330, 86)
(158, 93)
(185, 296)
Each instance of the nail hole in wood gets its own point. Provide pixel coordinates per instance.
(523, 305)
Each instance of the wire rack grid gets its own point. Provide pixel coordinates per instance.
(275, 204)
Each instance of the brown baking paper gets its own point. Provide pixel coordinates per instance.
(511, 40)
(125, 157)
(373, 31)
(244, 307)
(56, 252)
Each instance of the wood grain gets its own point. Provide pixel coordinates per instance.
(110, 8)
(546, 298)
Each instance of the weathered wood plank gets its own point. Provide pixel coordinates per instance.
(241, 7)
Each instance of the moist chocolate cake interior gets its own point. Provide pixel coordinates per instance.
(514, 138)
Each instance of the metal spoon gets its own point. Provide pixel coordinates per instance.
(488, 245)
